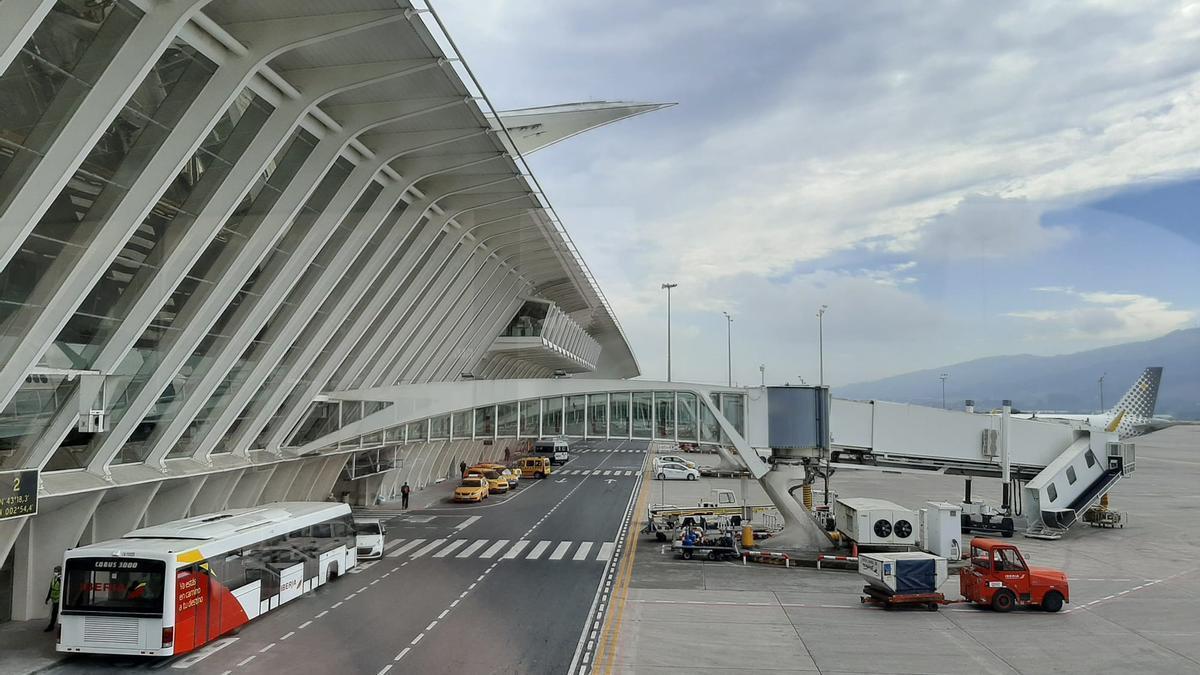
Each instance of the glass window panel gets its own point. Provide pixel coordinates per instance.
(416, 431)
(710, 431)
(528, 321)
(461, 423)
(643, 414)
(552, 416)
(530, 416)
(439, 428)
(618, 415)
(733, 406)
(576, 409)
(598, 415)
(686, 416)
(485, 422)
(506, 413)
(664, 415)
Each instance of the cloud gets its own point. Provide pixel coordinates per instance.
(1105, 316)
(982, 227)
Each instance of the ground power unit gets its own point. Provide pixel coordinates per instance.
(875, 522)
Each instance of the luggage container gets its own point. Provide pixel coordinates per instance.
(898, 573)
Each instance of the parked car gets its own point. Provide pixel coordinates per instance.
(510, 475)
(660, 459)
(534, 467)
(472, 489)
(675, 471)
(497, 484)
(368, 536)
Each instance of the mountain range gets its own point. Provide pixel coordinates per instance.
(1062, 383)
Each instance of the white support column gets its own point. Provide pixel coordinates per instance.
(75, 277)
(214, 496)
(58, 526)
(305, 479)
(34, 193)
(10, 529)
(249, 489)
(122, 510)
(280, 482)
(327, 477)
(174, 500)
(18, 21)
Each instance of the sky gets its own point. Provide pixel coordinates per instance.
(953, 179)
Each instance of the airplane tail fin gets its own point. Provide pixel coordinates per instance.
(1141, 398)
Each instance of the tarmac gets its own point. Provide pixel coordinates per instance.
(1135, 592)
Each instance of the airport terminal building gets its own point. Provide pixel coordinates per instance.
(220, 218)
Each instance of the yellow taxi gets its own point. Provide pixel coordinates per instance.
(472, 489)
(534, 467)
(497, 484)
(511, 476)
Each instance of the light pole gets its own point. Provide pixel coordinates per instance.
(762, 373)
(1102, 390)
(729, 344)
(943, 377)
(669, 286)
(821, 340)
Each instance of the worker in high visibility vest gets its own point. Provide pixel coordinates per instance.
(52, 595)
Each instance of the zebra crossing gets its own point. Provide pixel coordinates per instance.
(500, 549)
(595, 472)
(639, 451)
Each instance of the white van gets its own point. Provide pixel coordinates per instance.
(557, 448)
(368, 535)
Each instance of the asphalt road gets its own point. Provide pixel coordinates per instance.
(457, 591)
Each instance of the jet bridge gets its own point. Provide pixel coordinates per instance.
(1066, 467)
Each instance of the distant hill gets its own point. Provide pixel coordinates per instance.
(1066, 383)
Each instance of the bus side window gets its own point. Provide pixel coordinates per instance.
(228, 569)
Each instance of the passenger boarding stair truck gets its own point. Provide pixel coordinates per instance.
(1073, 483)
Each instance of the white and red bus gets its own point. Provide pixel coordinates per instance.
(168, 589)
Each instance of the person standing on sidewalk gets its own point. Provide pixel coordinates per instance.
(404, 490)
(52, 595)
(462, 469)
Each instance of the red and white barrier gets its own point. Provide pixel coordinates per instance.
(771, 557)
(836, 558)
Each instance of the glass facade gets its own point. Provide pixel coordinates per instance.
(618, 414)
(685, 416)
(461, 424)
(485, 422)
(506, 416)
(531, 415)
(597, 415)
(575, 414)
(664, 415)
(552, 416)
(528, 320)
(642, 414)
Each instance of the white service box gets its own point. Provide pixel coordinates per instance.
(875, 522)
(941, 529)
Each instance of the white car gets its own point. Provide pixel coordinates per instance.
(674, 459)
(675, 471)
(368, 535)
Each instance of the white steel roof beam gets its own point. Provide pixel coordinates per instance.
(76, 277)
(488, 277)
(35, 191)
(496, 290)
(18, 21)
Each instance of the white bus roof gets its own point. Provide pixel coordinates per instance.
(195, 531)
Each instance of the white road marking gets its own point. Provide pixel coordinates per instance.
(453, 546)
(288, 635)
(515, 550)
(606, 550)
(475, 546)
(607, 473)
(538, 550)
(203, 653)
(581, 554)
(428, 548)
(494, 548)
(246, 660)
(443, 614)
(417, 639)
(410, 545)
(265, 649)
(385, 669)
(560, 550)
(392, 545)
(467, 523)
(431, 625)
(402, 653)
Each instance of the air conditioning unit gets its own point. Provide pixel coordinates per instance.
(875, 522)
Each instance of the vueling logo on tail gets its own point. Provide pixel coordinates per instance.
(1135, 410)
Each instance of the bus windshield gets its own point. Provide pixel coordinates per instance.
(114, 586)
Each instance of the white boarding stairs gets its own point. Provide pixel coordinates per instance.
(1073, 483)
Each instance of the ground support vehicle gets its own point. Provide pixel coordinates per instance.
(697, 543)
(998, 577)
(663, 519)
(929, 601)
(978, 516)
